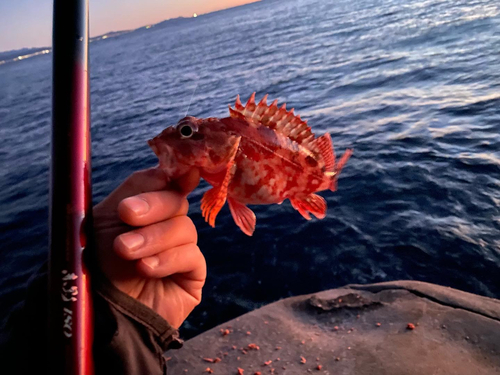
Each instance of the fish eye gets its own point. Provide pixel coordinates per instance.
(186, 131)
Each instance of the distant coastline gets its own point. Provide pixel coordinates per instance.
(27, 52)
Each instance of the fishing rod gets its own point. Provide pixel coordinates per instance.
(70, 310)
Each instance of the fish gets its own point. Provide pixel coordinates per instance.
(260, 154)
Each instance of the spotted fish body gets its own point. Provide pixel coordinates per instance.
(261, 154)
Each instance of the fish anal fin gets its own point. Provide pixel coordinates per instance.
(312, 203)
(243, 216)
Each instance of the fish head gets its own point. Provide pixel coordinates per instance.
(193, 143)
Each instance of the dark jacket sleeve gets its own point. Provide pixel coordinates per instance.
(129, 337)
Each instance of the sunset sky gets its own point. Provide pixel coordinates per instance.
(28, 23)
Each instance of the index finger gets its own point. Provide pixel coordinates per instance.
(153, 207)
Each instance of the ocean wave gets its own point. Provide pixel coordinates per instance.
(411, 86)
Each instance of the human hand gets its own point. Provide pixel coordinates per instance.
(146, 244)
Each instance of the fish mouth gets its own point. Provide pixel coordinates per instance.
(160, 148)
(152, 144)
(163, 151)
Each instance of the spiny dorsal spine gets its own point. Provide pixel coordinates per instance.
(279, 119)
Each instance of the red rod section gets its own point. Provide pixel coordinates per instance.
(70, 309)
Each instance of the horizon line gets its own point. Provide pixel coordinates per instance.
(137, 28)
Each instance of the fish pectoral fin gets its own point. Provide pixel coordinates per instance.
(243, 216)
(312, 203)
(214, 199)
(234, 142)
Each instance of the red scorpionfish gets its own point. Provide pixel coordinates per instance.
(261, 154)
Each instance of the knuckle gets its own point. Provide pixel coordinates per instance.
(146, 270)
(188, 227)
(197, 298)
(170, 200)
(184, 206)
(200, 260)
(188, 222)
(198, 253)
(155, 234)
(165, 200)
(120, 249)
(126, 215)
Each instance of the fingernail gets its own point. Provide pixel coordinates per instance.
(137, 205)
(132, 241)
(152, 262)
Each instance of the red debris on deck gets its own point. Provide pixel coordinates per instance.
(225, 332)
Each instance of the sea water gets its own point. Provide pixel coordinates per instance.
(412, 86)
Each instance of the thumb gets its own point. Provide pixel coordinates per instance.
(187, 182)
(152, 179)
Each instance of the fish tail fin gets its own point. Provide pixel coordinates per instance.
(334, 175)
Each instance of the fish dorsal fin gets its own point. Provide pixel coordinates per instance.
(324, 147)
(283, 121)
